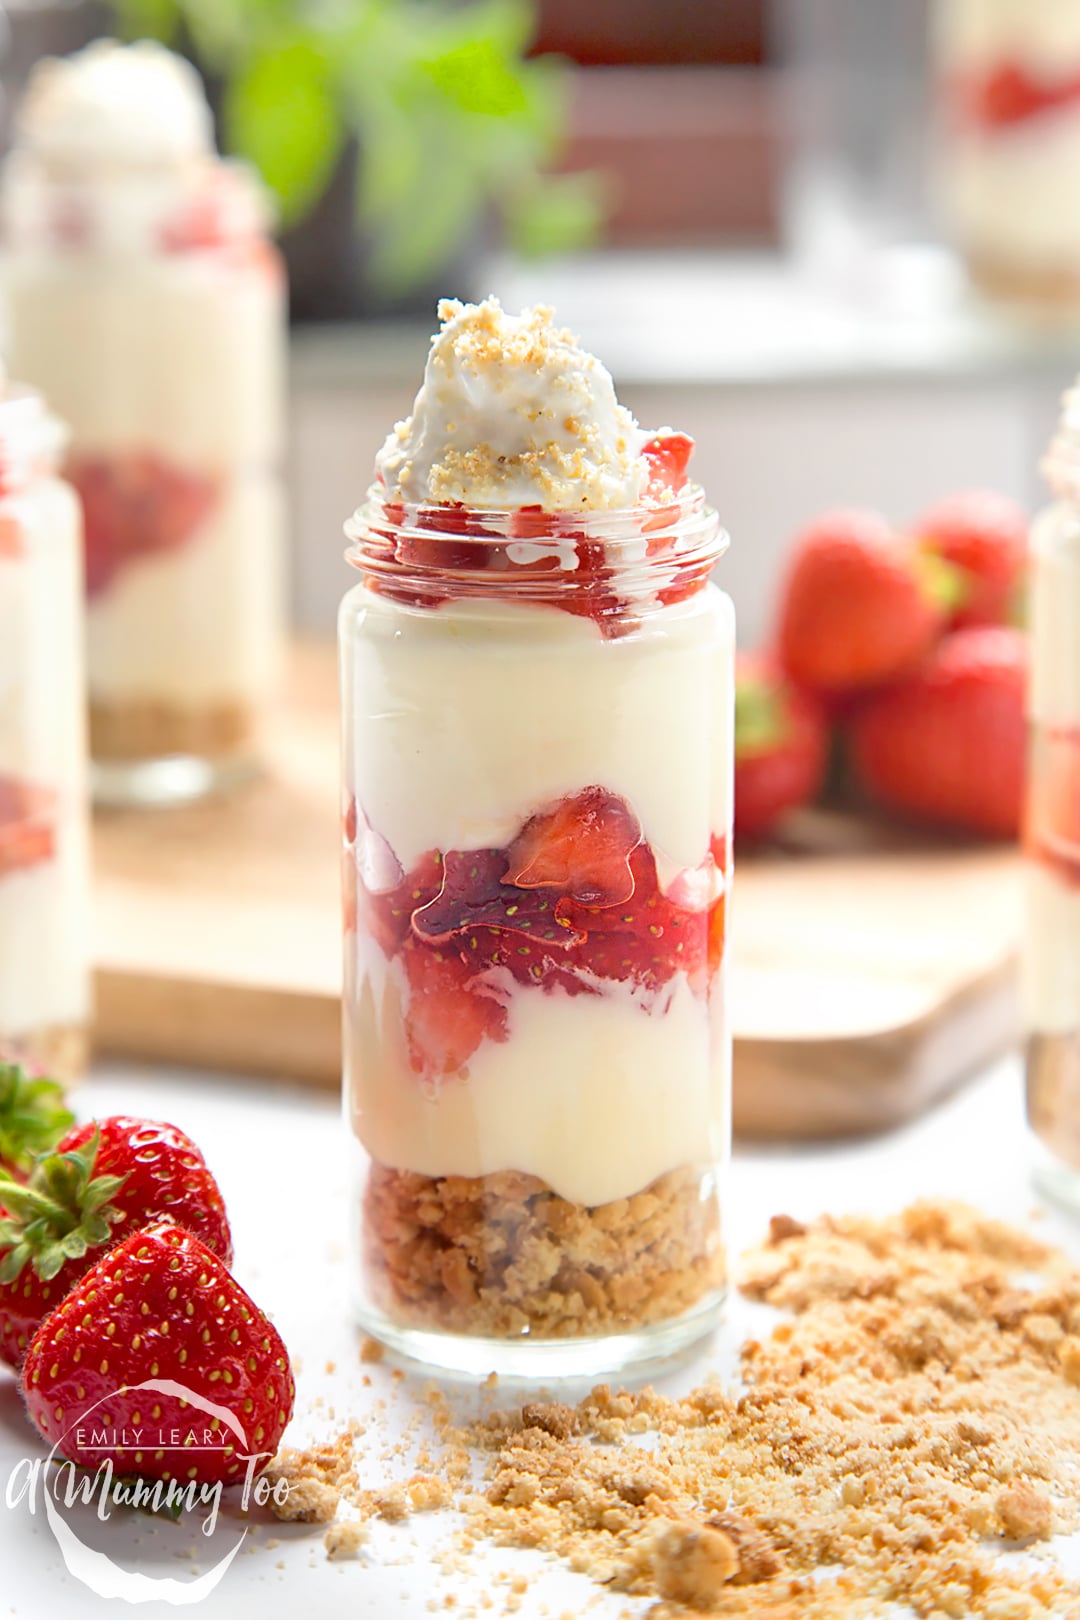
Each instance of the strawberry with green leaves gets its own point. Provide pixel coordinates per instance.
(781, 746)
(860, 605)
(33, 1116)
(102, 1182)
(146, 1340)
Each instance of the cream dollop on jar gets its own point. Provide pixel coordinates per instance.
(537, 691)
(146, 300)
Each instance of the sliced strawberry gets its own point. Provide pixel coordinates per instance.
(387, 914)
(1010, 93)
(135, 506)
(449, 1013)
(474, 895)
(668, 455)
(27, 825)
(11, 537)
(581, 846)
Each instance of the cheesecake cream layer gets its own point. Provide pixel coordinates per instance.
(596, 1095)
(466, 719)
(181, 355)
(203, 624)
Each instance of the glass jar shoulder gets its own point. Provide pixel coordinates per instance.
(706, 617)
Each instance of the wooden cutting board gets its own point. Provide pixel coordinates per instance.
(870, 972)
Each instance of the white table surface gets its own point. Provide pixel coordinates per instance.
(279, 1154)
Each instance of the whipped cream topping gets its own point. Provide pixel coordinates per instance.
(113, 105)
(514, 412)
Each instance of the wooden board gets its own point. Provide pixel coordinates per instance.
(868, 976)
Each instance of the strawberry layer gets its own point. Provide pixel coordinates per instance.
(480, 974)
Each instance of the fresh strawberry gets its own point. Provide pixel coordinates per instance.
(33, 1115)
(983, 536)
(157, 1320)
(580, 846)
(859, 606)
(448, 1013)
(668, 455)
(103, 1181)
(781, 746)
(27, 831)
(135, 506)
(948, 745)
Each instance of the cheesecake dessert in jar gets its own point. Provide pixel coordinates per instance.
(147, 303)
(1051, 956)
(1009, 154)
(537, 693)
(44, 871)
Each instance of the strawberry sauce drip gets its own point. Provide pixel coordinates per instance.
(462, 545)
(27, 831)
(573, 904)
(1009, 95)
(1052, 830)
(136, 506)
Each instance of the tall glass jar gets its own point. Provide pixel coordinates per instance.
(1009, 153)
(537, 806)
(1051, 959)
(146, 301)
(44, 971)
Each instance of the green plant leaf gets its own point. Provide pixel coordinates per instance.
(477, 77)
(147, 19)
(280, 114)
(557, 214)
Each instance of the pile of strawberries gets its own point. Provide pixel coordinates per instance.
(900, 652)
(117, 1306)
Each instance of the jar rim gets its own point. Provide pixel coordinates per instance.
(614, 566)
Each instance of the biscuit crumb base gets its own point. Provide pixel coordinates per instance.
(501, 1255)
(902, 1434)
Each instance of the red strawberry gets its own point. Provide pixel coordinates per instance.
(27, 833)
(948, 745)
(1009, 94)
(474, 895)
(33, 1115)
(135, 506)
(781, 746)
(448, 1013)
(983, 535)
(859, 606)
(668, 455)
(159, 1311)
(581, 846)
(11, 534)
(104, 1181)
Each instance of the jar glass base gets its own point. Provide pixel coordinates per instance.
(157, 783)
(545, 1359)
(1053, 1109)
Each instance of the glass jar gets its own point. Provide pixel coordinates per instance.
(148, 305)
(537, 715)
(1051, 957)
(44, 970)
(1009, 151)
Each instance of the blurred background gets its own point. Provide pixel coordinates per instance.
(789, 227)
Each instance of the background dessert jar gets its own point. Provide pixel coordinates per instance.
(146, 301)
(1051, 958)
(537, 717)
(1008, 163)
(44, 882)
